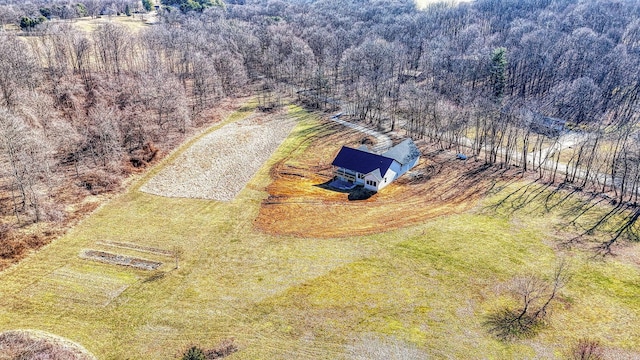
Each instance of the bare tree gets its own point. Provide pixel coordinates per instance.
(587, 349)
(18, 69)
(534, 296)
(103, 135)
(112, 43)
(165, 95)
(25, 154)
(8, 15)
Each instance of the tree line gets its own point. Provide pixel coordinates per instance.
(500, 80)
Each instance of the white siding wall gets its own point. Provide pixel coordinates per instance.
(381, 183)
(371, 182)
(395, 171)
(388, 177)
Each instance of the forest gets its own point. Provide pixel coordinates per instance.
(498, 80)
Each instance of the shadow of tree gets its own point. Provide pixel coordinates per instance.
(579, 209)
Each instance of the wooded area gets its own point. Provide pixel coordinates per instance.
(500, 80)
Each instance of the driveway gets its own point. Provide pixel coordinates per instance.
(383, 142)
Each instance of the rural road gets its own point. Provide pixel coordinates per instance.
(566, 140)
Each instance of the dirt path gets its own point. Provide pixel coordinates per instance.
(219, 165)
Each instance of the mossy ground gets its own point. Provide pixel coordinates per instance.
(430, 284)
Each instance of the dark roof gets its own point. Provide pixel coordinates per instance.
(404, 153)
(547, 125)
(361, 161)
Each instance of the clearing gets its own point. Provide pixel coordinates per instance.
(221, 163)
(416, 273)
(301, 204)
(136, 22)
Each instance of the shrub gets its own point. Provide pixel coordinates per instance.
(587, 349)
(5, 231)
(534, 297)
(226, 348)
(99, 181)
(194, 353)
(140, 157)
(11, 246)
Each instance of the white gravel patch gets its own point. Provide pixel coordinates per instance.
(220, 164)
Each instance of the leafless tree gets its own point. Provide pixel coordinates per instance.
(25, 154)
(112, 44)
(165, 96)
(587, 349)
(534, 296)
(18, 68)
(8, 15)
(103, 136)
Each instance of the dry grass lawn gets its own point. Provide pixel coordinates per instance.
(300, 204)
(135, 22)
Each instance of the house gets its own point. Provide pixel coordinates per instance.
(411, 75)
(375, 171)
(549, 126)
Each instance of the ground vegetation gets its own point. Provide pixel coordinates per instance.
(540, 96)
(501, 82)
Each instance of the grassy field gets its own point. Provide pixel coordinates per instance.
(423, 288)
(135, 22)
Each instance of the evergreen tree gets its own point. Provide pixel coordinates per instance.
(81, 10)
(46, 12)
(194, 353)
(498, 71)
(147, 4)
(194, 5)
(26, 23)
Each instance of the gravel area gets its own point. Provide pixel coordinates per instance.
(384, 142)
(117, 259)
(220, 164)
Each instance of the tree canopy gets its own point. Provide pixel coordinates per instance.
(193, 5)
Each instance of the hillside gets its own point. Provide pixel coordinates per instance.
(163, 178)
(401, 289)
